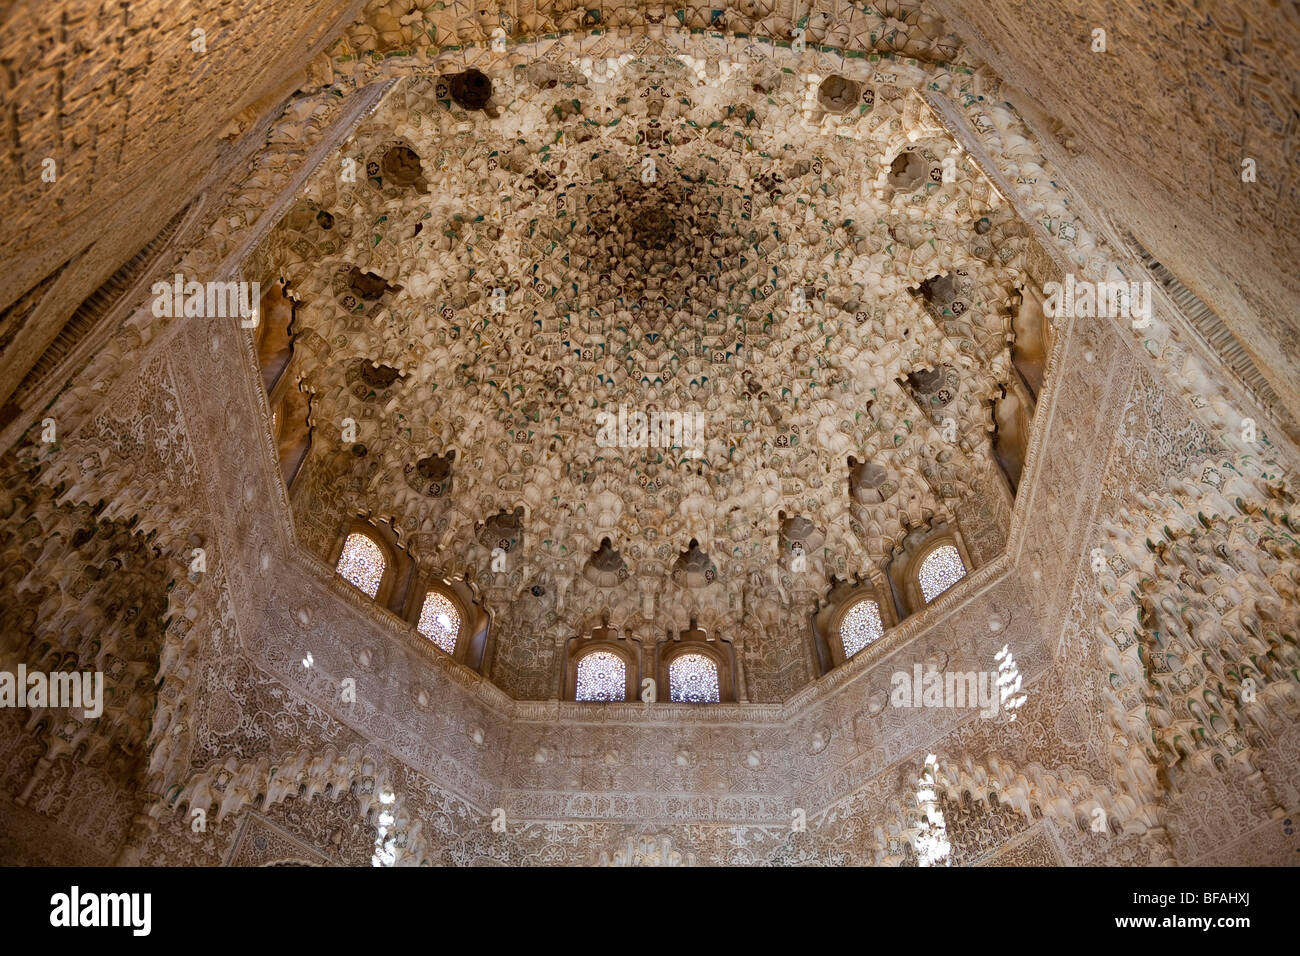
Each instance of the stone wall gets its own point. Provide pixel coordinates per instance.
(1154, 131)
(137, 122)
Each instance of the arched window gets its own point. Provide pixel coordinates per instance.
(362, 563)
(602, 675)
(602, 664)
(941, 569)
(440, 621)
(860, 626)
(693, 679)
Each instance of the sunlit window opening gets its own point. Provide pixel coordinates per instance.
(602, 675)
(941, 569)
(693, 679)
(362, 563)
(860, 626)
(440, 621)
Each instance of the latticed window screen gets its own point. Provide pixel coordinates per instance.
(860, 626)
(602, 675)
(941, 569)
(362, 563)
(439, 621)
(693, 679)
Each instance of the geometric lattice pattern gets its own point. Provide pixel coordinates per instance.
(362, 563)
(693, 679)
(941, 569)
(602, 675)
(861, 626)
(440, 621)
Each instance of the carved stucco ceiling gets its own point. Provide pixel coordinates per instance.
(904, 27)
(674, 294)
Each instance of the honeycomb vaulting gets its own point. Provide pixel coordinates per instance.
(485, 243)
